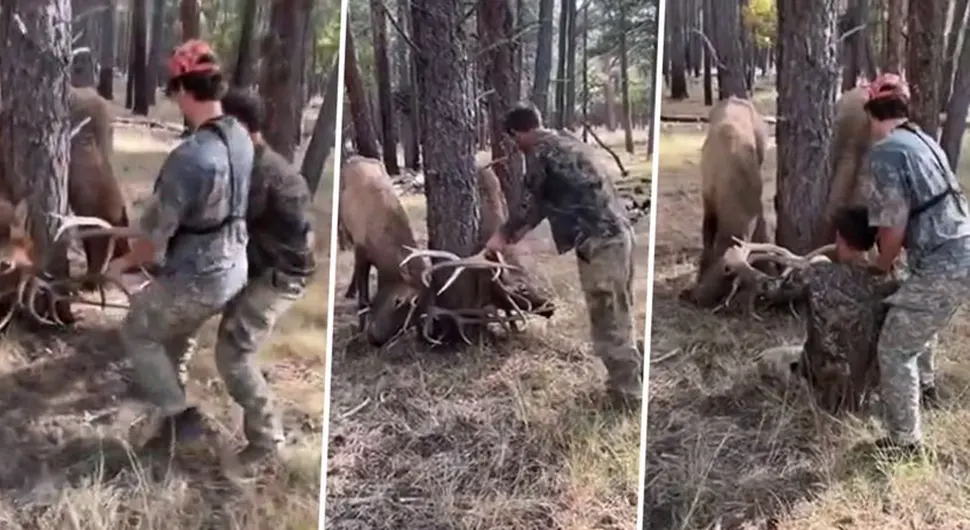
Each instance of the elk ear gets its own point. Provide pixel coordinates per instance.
(20, 214)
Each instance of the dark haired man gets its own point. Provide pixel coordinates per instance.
(915, 202)
(565, 185)
(196, 225)
(281, 263)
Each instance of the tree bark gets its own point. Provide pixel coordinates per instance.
(447, 137)
(244, 73)
(950, 56)
(678, 51)
(365, 138)
(807, 89)
(139, 58)
(109, 42)
(382, 75)
(280, 77)
(625, 82)
(496, 29)
(951, 140)
(730, 71)
(925, 49)
(543, 65)
(895, 43)
(34, 117)
(324, 131)
(156, 73)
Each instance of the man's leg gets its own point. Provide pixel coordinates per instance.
(246, 323)
(160, 312)
(919, 310)
(607, 281)
(927, 373)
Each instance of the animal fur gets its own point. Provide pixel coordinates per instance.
(851, 142)
(731, 159)
(93, 189)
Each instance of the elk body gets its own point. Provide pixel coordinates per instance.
(731, 159)
(376, 226)
(93, 190)
(851, 142)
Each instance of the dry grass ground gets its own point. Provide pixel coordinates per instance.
(503, 435)
(729, 442)
(64, 425)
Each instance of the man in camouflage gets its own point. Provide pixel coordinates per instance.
(195, 225)
(915, 202)
(565, 185)
(281, 263)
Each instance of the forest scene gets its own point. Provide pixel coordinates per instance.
(487, 428)
(71, 441)
(734, 439)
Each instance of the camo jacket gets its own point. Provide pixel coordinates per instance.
(844, 304)
(279, 218)
(566, 185)
(907, 170)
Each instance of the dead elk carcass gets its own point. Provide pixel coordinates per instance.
(377, 227)
(731, 159)
(845, 313)
(25, 284)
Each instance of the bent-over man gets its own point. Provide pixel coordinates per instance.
(566, 186)
(281, 264)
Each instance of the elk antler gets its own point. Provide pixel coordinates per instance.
(461, 318)
(747, 253)
(476, 261)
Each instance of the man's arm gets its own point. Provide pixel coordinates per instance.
(164, 211)
(528, 213)
(888, 206)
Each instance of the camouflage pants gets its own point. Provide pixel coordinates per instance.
(158, 333)
(246, 323)
(919, 310)
(606, 276)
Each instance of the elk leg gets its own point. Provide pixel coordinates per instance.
(708, 237)
(361, 279)
(760, 235)
(96, 256)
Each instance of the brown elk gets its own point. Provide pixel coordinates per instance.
(731, 160)
(379, 230)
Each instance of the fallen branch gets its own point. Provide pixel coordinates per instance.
(154, 124)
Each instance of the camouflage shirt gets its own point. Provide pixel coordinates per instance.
(844, 302)
(280, 235)
(194, 192)
(907, 170)
(566, 185)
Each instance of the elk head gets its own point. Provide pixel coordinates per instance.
(398, 307)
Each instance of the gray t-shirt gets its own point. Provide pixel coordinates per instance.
(194, 191)
(907, 170)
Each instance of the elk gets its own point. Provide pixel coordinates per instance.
(378, 229)
(844, 319)
(731, 160)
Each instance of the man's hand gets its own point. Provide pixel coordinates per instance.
(496, 243)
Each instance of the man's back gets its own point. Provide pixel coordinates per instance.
(208, 193)
(911, 165)
(279, 217)
(575, 193)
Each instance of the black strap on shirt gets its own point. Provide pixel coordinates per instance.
(219, 127)
(938, 198)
